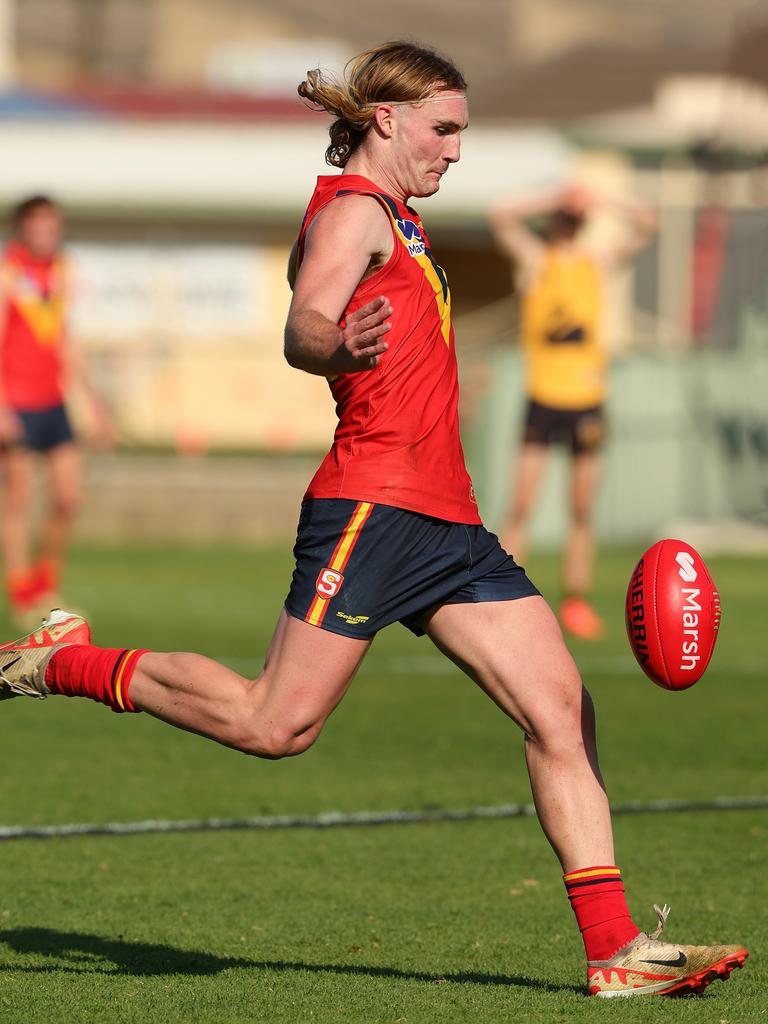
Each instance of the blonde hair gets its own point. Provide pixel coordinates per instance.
(396, 72)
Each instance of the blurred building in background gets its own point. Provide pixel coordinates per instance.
(172, 133)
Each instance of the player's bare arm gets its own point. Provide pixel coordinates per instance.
(101, 428)
(641, 222)
(513, 236)
(10, 428)
(508, 219)
(392, 507)
(348, 241)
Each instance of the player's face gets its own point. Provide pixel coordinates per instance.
(428, 141)
(41, 231)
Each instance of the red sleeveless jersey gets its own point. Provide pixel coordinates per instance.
(32, 329)
(397, 441)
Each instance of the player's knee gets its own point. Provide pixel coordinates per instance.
(521, 511)
(274, 743)
(581, 514)
(284, 744)
(568, 724)
(66, 503)
(17, 495)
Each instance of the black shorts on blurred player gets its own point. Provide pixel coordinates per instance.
(581, 430)
(44, 429)
(362, 566)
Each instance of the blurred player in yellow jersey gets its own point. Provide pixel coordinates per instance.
(39, 366)
(561, 284)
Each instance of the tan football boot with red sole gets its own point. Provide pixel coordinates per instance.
(23, 662)
(646, 966)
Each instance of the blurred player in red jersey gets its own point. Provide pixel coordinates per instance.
(39, 364)
(389, 529)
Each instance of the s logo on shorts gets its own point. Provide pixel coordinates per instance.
(328, 583)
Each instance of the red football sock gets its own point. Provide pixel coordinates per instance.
(597, 898)
(101, 673)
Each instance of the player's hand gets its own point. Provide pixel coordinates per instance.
(364, 333)
(102, 433)
(10, 426)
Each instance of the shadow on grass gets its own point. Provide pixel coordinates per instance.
(79, 953)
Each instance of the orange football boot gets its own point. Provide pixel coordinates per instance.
(580, 619)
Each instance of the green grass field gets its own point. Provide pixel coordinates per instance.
(418, 923)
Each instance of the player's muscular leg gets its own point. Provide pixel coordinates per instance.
(531, 461)
(15, 515)
(306, 673)
(515, 651)
(579, 548)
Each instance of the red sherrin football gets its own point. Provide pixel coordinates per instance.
(673, 614)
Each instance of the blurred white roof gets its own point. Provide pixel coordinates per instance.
(688, 109)
(269, 169)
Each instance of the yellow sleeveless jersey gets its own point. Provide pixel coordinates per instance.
(560, 328)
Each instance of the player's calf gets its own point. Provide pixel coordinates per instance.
(251, 716)
(187, 690)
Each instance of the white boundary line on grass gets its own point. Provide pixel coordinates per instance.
(340, 819)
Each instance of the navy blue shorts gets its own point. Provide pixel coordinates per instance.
(43, 429)
(360, 567)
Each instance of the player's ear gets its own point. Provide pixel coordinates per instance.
(385, 119)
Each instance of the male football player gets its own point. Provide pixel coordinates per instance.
(389, 530)
(39, 365)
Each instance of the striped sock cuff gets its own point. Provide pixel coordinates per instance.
(586, 879)
(122, 674)
(103, 674)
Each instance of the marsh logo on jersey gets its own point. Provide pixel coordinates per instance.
(328, 583)
(411, 236)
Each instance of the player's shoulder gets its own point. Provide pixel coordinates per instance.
(350, 207)
(350, 216)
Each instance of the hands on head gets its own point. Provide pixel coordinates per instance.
(101, 432)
